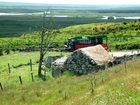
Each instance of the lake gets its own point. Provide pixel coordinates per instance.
(117, 17)
(38, 13)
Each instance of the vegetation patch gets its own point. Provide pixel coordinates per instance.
(104, 87)
(120, 36)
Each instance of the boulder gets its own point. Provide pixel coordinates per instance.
(58, 66)
(48, 60)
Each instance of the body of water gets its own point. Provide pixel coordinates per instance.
(38, 13)
(4, 14)
(115, 17)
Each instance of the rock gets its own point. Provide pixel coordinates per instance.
(48, 61)
(58, 66)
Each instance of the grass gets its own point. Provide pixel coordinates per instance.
(124, 35)
(16, 58)
(19, 67)
(114, 86)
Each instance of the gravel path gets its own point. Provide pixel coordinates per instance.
(121, 54)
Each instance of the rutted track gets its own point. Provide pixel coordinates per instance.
(120, 57)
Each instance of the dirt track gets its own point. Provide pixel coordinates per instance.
(121, 54)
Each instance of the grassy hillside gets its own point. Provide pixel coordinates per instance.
(119, 34)
(113, 86)
(124, 35)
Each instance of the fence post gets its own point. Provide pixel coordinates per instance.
(125, 66)
(20, 79)
(9, 69)
(32, 76)
(125, 60)
(31, 64)
(45, 75)
(92, 86)
(1, 86)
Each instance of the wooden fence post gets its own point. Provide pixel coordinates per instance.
(9, 69)
(125, 60)
(1, 86)
(92, 86)
(32, 76)
(20, 79)
(45, 75)
(125, 66)
(31, 64)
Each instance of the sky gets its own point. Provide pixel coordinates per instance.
(93, 2)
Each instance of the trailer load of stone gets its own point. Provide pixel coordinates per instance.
(85, 60)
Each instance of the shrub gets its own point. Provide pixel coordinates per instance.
(1, 52)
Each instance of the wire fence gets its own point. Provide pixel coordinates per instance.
(12, 77)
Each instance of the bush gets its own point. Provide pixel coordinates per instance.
(7, 51)
(1, 52)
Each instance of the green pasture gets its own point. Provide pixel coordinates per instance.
(118, 85)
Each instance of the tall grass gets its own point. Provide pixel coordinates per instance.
(114, 86)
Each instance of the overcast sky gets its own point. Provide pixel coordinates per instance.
(99, 2)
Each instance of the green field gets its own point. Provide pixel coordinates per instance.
(19, 64)
(113, 86)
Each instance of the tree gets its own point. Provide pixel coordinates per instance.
(47, 35)
(1, 52)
